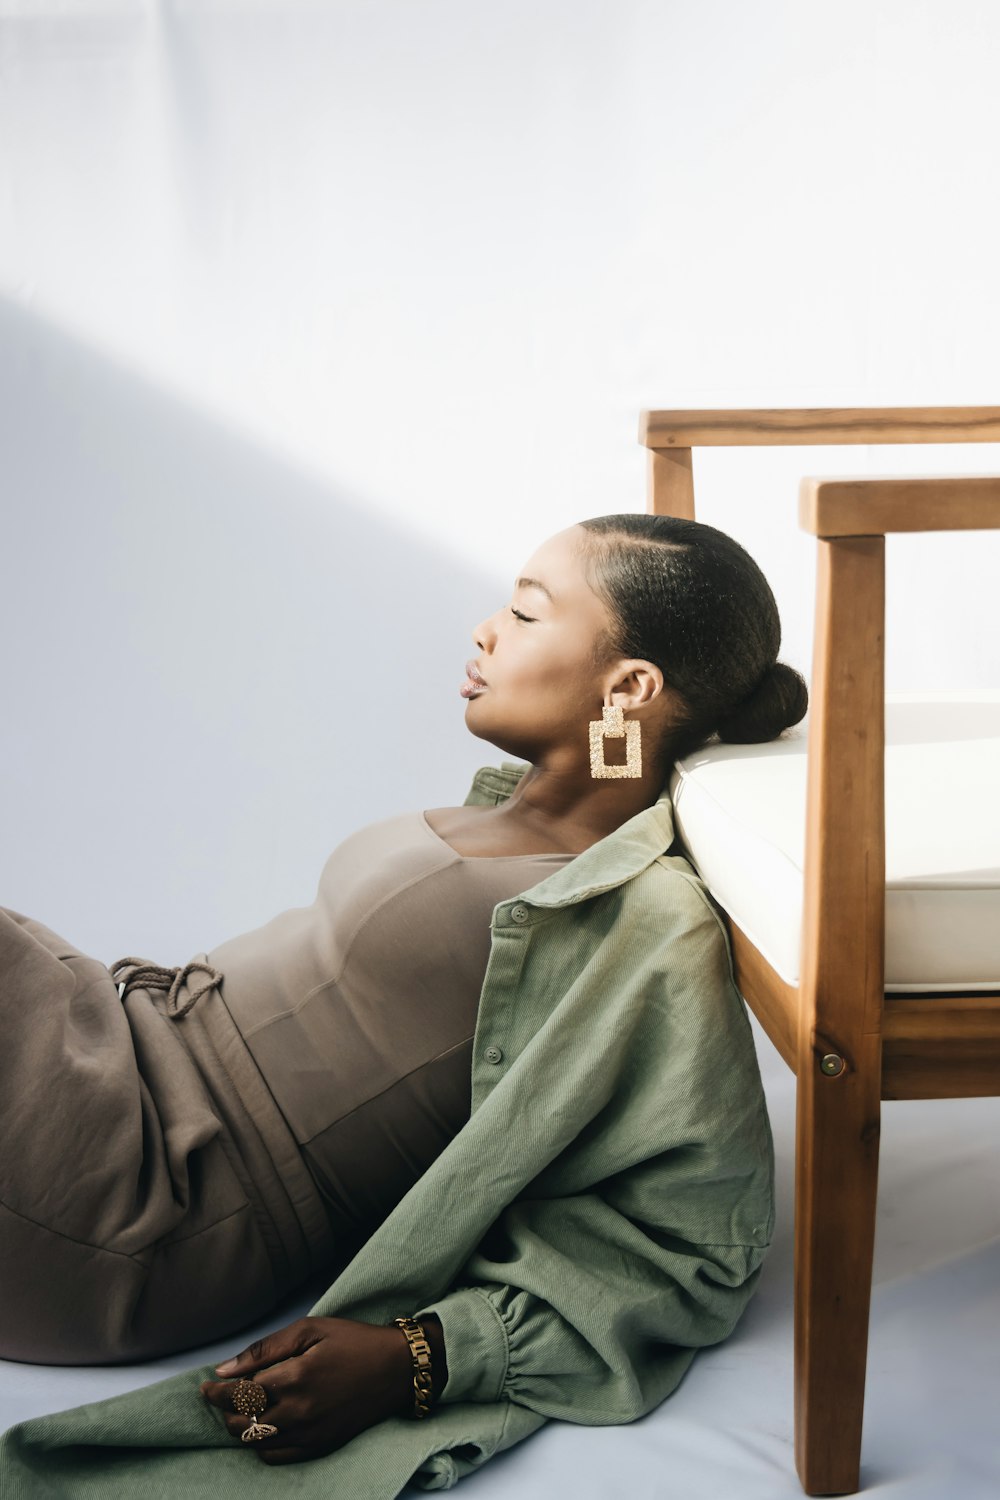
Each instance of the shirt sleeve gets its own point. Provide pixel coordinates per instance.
(576, 1309)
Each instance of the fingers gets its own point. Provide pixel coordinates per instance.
(281, 1344)
(221, 1393)
(309, 1400)
(283, 1455)
(283, 1408)
(279, 1455)
(311, 1444)
(292, 1443)
(298, 1437)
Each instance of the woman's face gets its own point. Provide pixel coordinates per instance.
(540, 686)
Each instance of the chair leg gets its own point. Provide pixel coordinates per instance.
(837, 1139)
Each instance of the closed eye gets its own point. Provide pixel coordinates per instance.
(528, 619)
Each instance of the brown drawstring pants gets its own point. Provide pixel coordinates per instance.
(152, 1197)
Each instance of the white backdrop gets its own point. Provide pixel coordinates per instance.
(315, 318)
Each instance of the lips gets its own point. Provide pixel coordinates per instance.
(474, 683)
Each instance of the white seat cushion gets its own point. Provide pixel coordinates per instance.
(741, 813)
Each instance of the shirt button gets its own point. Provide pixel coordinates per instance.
(519, 914)
(493, 1055)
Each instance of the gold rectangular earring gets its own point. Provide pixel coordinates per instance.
(612, 727)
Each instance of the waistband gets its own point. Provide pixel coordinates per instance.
(262, 1151)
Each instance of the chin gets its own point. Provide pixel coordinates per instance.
(493, 736)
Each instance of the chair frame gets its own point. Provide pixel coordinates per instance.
(849, 1043)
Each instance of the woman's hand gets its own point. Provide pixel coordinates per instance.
(326, 1379)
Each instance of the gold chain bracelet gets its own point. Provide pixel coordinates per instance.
(420, 1353)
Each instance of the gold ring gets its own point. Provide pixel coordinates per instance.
(258, 1430)
(249, 1399)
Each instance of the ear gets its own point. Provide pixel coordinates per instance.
(636, 684)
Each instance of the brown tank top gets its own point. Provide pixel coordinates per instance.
(360, 1009)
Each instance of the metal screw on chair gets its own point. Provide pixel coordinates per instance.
(831, 1064)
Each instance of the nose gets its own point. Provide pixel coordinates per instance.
(485, 633)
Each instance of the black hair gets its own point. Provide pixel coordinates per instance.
(691, 600)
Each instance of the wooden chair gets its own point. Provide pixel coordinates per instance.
(849, 1043)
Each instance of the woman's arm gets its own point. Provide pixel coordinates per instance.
(589, 1308)
(576, 1309)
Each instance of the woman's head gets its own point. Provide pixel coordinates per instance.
(693, 601)
(669, 619)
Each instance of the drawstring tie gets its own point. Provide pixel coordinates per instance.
(145, 975)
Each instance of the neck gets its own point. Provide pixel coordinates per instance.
(547, 799)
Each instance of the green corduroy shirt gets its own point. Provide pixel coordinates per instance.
(602, 1215)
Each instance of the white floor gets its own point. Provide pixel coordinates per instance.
(932, 1419)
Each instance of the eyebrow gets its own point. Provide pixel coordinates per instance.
(534, 583)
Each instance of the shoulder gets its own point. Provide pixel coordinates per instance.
(671, 892)
(660, 921)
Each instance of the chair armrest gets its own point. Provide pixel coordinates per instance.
(802, 426)
(877, 505)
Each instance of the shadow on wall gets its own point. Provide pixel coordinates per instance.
(215, 666)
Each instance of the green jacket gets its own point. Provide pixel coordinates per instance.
(603, 1213)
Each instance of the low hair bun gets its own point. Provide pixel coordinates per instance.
(778, 701)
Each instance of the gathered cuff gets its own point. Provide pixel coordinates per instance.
(475, 1342)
